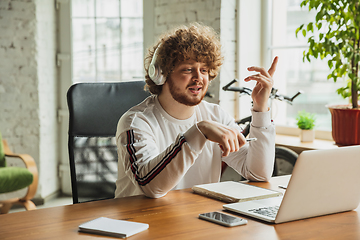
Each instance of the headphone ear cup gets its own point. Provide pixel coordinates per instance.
(152, 72)
(155, 71)
(155, 75)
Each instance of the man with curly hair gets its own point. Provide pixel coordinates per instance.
(173, 139)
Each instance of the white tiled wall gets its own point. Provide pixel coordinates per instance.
(28, 84)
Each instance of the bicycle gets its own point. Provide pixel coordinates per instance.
(285, 158)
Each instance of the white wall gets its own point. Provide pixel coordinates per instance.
(47, 88)
(228, 25)
(28, 84)
(249, 37)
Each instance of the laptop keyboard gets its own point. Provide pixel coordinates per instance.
(270, 211)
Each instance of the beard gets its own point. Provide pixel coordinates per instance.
(184, 98)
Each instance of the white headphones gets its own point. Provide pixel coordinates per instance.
(155, 71)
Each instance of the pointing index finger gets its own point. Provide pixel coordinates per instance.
(272, 69)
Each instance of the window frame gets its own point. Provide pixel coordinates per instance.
(65, 78)
(268, 18)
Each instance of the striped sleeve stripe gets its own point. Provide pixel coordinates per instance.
(131, 150)
(159, 167)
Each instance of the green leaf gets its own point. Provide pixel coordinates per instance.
(349, 54)
(341, 45)
(351, 76)
(304, 54)
(304, 32)
(315, 53)
(334, 78)
(330, 64)
(338, 63)
(357, 58)
(305, 120)
(342, 71)
(298, 29)
(319, 16)
(319, 25)
(310, 27)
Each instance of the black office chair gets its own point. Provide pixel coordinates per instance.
(95, 109)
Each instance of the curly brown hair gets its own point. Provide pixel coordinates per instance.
(194, 42)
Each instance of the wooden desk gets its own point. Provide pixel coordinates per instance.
(174, 216)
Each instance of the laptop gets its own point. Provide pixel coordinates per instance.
(322, 182)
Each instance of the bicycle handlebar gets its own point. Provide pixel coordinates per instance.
(229, 84)
(241, 90)
(273, 94)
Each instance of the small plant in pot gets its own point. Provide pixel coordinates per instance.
(334, 36)
(306, 122)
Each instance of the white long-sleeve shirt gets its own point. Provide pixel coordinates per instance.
(158, 153)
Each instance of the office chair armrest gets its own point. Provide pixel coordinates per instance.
(30, 165)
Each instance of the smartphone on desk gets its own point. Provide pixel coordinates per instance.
(223, 219)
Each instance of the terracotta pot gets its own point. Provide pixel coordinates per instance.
(345, 125)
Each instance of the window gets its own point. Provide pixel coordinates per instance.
(293, 74)
(97, 41)
(107, 40)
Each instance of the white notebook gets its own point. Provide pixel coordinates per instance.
(113, 227)
(230, 191)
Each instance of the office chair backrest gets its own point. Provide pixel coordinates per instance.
(95, 109)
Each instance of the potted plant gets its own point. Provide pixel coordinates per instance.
(334, 35)
(306, 122)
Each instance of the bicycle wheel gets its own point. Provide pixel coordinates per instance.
(285, 160)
